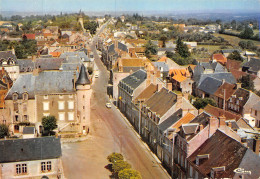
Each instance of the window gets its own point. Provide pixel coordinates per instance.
(49, 166)
(70, 104)
(61, 96)
(18, 169)
(24, 168)
(25, 96)
(25, 117)
(71, 116)
(46, 114)
(255, 112)
(46, 166)
(45, 97)
(21, 168)
(70, 96)
(15, 96)
(61, 105)
(83, 107)
(45, 106)
(43, 166)
(61, 116)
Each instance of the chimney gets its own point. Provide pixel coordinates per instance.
(116, 45)
(36, 71)
(223, 81)
(34, 58)
(179, 101)
(169, 86)
(201, 127)
(77, 68)
(186, 95)
(229, 124)
(13, 51)
(159, 86)
(148, 79)
(238, 85)
(222, 122)
(213, 125)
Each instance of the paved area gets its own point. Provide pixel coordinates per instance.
(109, 132)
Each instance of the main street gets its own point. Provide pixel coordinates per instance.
(109, 132)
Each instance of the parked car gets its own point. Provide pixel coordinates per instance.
(96, 75)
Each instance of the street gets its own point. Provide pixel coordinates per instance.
(109, 132)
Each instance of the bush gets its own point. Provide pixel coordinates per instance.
(115, 157)
(120, 165)
(203, 102)
(129, 174)
(4, 131)
(49, 123)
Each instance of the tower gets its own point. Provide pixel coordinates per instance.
(81, 20)
(83, 91)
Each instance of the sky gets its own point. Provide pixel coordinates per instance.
(130, 5)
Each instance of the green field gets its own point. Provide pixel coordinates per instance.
(235, 40)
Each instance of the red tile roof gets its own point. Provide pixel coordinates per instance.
(217, 112)
(229, 90)
(219, 58)
(30, 36)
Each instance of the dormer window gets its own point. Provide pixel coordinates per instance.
(201, 157)
(216, 170)
(15, 96)
(25, 96)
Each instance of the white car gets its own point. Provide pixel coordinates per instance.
(108, 105)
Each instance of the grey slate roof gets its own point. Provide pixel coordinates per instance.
(47, 82)
(29, 149)
(228, 77)
(5, 55)
(202, 118)
(79, 55)
(253, 65)
(210, 85)
(83, 77)
(121, 46)
(175, 117)
(162, 66)
(28, 130)
(230, 50)
(166, 49)
(70, 66)
(135, 79)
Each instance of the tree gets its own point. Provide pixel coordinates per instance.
(120, 165)
(235, 56)
(243, 44)
(247, 82)
(49, 123)
(91, 26)
(203, 102)
(4, 131)
(115, 157)
(129, 174)
(248, 33)
(182, 49)
(150, 49)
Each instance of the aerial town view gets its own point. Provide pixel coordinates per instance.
(120, 89)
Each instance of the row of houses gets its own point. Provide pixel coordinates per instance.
(214, 142)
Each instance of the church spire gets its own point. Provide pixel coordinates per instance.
(83, 78)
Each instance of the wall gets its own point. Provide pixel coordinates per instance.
(83, 106)
(54, 110)
(117, 77)
(33, 169)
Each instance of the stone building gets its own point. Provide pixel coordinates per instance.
(63, 94)
(31, 158)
